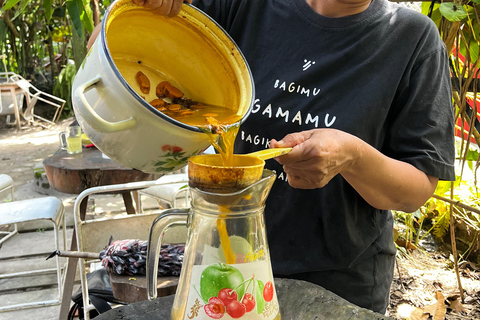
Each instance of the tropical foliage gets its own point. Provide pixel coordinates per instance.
(42, 38)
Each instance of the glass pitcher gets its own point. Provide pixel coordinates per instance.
(226, 271)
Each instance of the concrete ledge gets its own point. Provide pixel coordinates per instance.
(297, 300)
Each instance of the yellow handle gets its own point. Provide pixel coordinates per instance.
(270, 153)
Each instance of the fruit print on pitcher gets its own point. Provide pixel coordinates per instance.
(222, 291)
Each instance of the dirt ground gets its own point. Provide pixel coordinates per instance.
(422, 277)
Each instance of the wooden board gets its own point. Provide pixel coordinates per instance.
(132, 289)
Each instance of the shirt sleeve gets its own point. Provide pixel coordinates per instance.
(421, 130)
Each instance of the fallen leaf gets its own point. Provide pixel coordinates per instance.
(455, 304)
(405, 244)
(437, 310)
(418, 314)
(441, 310)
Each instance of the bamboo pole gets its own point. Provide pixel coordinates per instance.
(457, 203)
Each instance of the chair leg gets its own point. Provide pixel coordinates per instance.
(57, 261)
(138, 201)
(9, 234)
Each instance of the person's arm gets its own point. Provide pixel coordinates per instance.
(385, 183)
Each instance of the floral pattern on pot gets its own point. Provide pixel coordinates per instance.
(173, 158)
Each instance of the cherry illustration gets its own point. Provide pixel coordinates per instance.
(268, 291)
(227, 295)
(235, 309)
(249, 302)
(215, 308)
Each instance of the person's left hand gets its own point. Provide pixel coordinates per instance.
(163, 7)
(317, 156)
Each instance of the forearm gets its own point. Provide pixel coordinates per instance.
(386, 183)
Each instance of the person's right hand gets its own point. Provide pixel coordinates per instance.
(163, 7)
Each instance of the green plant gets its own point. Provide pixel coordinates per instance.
(63, 86)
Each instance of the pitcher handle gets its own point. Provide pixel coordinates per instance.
(169, 218)
(94, 119)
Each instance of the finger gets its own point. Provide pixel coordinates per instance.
(293, 139)
(176, 7)
(153, 4)
(188, 1)
(139, 2)
(299, 183)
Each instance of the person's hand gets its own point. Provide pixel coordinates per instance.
(317, 156)
(163, 7)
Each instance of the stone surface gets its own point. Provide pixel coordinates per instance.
(297, 300)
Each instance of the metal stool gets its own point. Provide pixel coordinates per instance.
(6, 183)
(47, 208)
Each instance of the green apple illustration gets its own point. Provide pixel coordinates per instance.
(239, 246)
(219, 276)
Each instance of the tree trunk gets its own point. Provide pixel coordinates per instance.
(95, 11)
(9, 23)
(79, 47)
(51, 55)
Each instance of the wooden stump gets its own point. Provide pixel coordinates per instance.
(132, 289)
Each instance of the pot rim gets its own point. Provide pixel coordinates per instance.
(145, 103)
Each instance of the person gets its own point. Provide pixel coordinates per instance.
(361, 90)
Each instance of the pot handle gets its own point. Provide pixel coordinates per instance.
(169, 218)
(93, 119)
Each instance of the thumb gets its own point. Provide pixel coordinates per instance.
(291, 140)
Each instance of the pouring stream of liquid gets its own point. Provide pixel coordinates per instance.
(224, 145)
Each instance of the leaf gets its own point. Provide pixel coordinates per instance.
(442, 188)
(472, 155)
(9, 4)
(75, 12)
(417, 214)
(259, 295)
(47, 6)
(87, 17)
(81, 14)
(440, 309)
(405, 244)
(21, 8)
(455, 304)
(418, 314)
(436, 15)
(434, 311)
(452, 11)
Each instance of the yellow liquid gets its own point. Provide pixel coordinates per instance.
(74, 145)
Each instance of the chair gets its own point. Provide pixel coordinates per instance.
(33, 95)
(173, 191)
(11, 100)
(8, 107)
(94, 235)
(6, 184)
(46, 208)
(5, 75)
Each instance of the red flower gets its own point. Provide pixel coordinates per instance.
(166, 147)
(176, 149)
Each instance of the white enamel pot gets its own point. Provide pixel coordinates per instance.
(190, 50)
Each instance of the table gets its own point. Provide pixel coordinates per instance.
(74, 173)
(13, 89)
(297, 300)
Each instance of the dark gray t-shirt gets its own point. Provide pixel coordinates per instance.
(381, 75)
